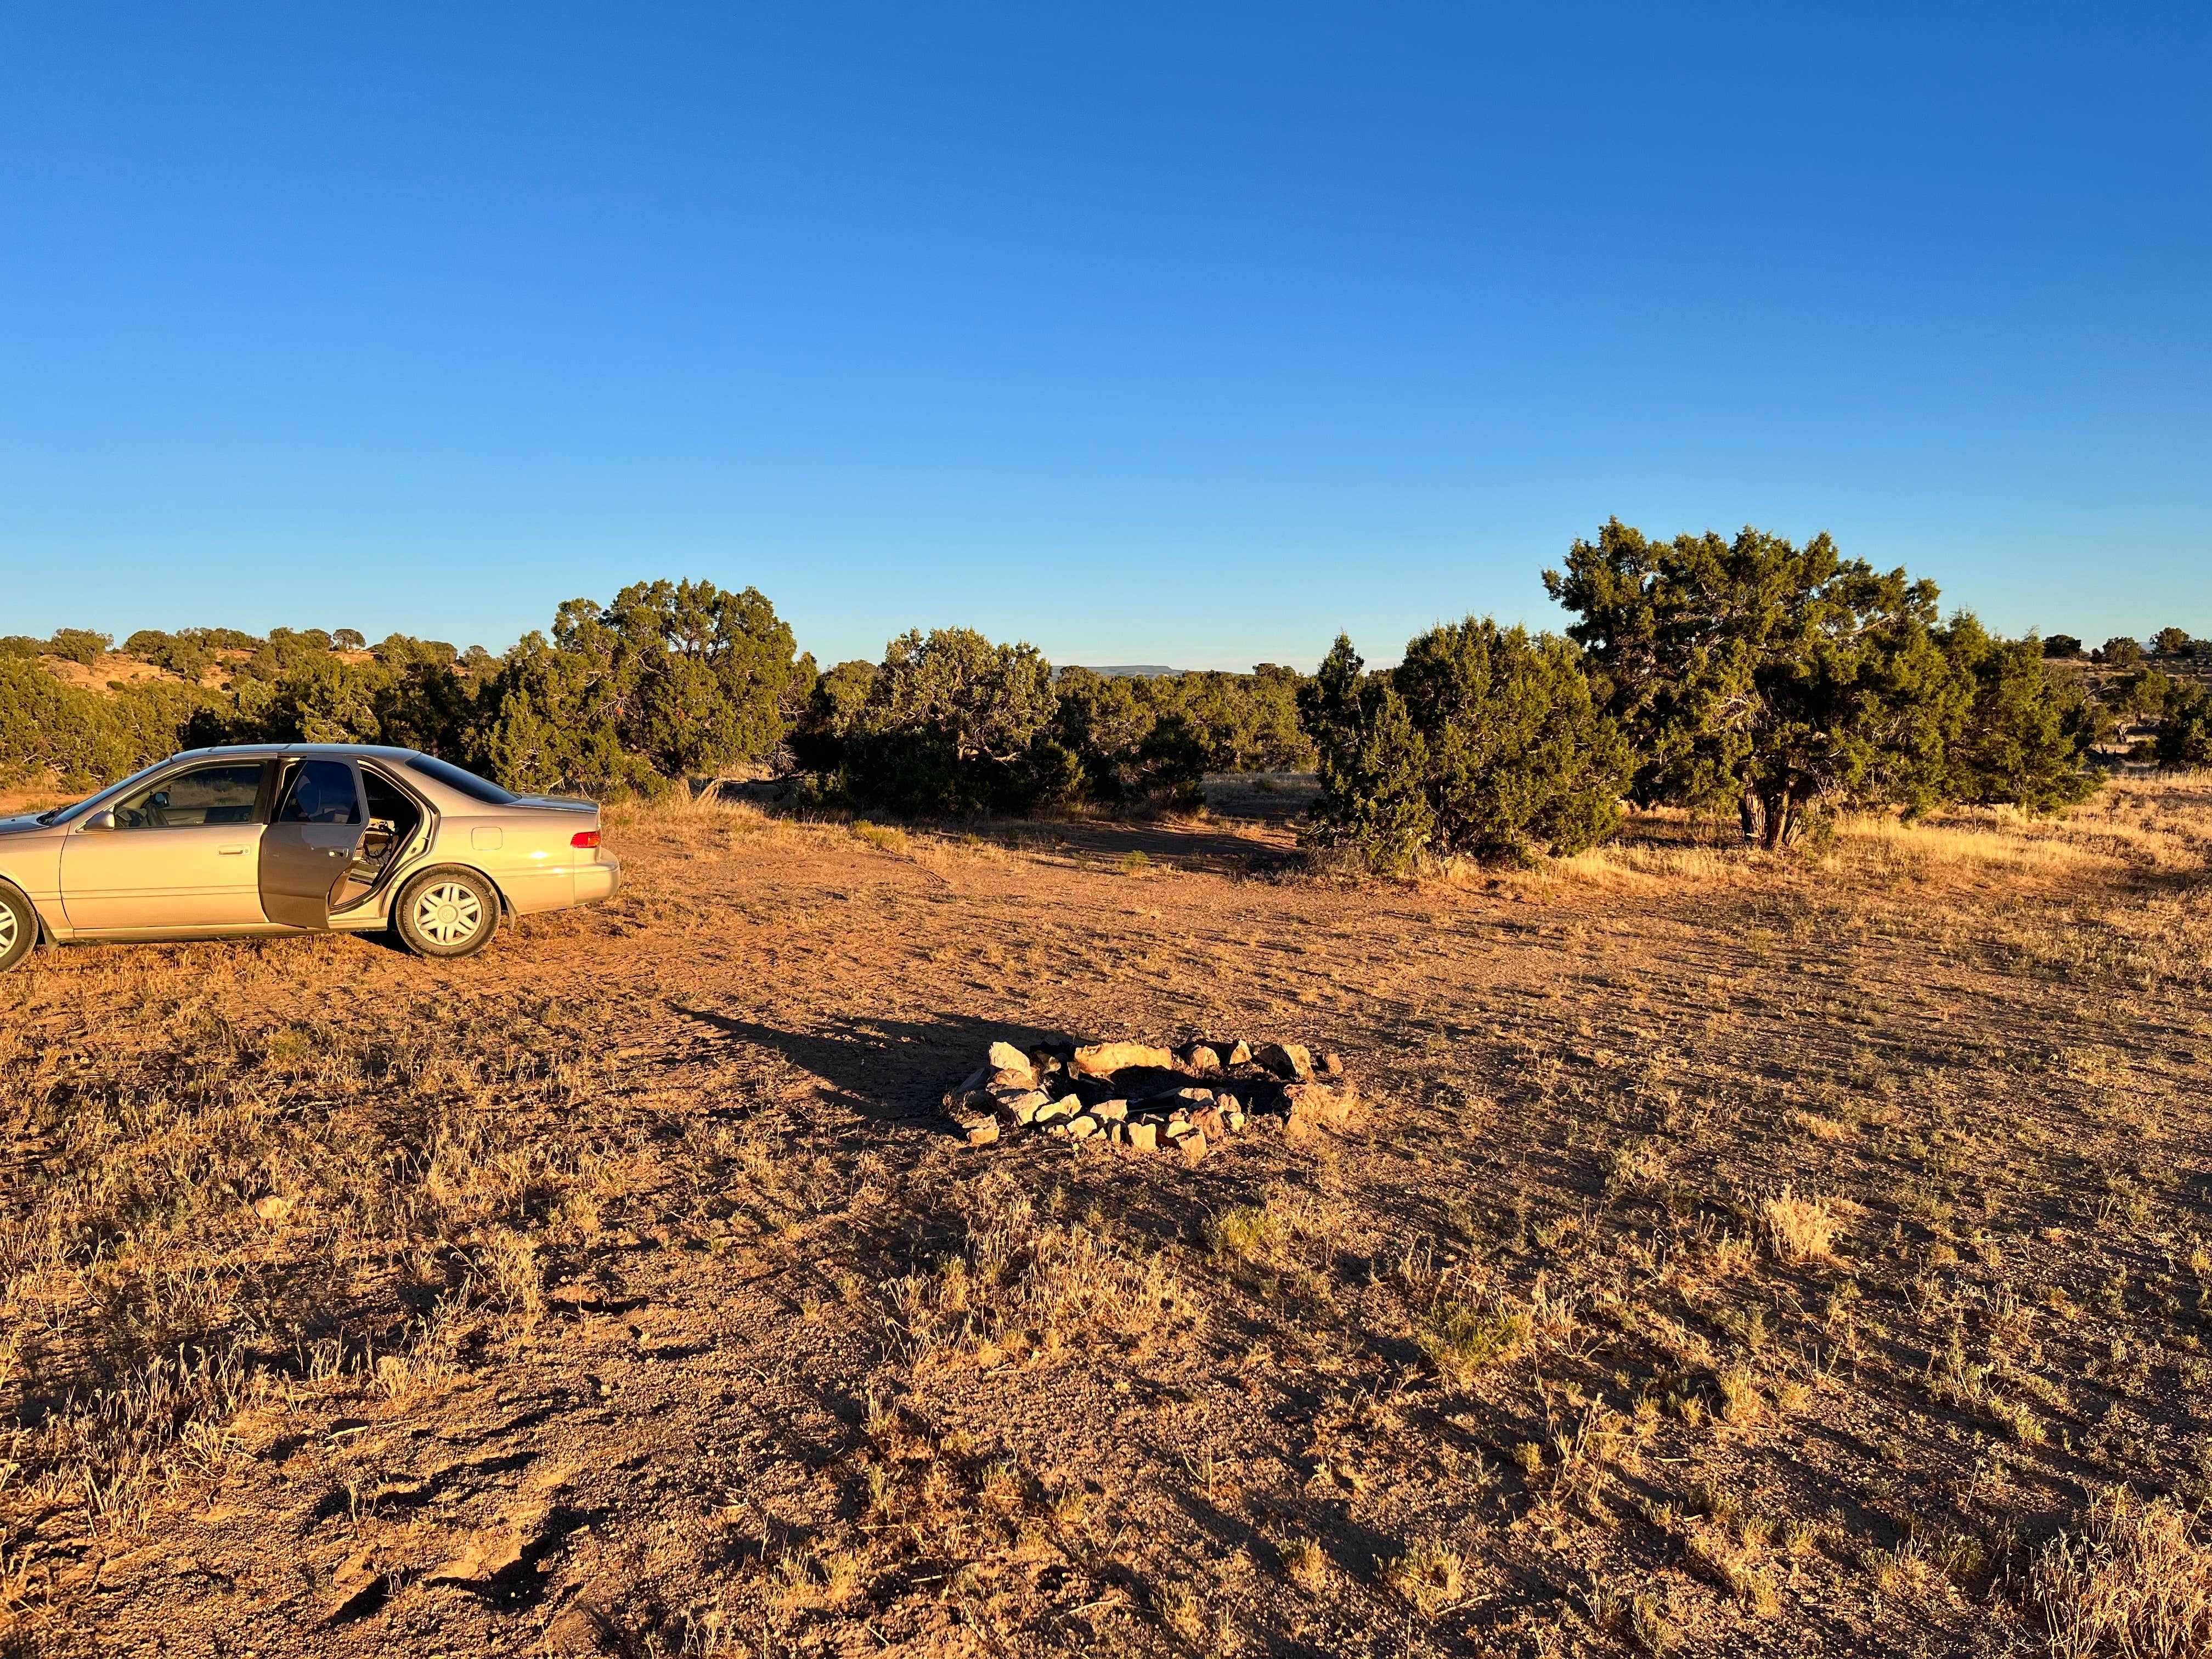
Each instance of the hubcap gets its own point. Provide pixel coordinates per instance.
(10, 929)
(448, 914)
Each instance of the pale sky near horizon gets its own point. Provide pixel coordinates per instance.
(1179, 335)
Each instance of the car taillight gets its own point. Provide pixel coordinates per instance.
(584, 838)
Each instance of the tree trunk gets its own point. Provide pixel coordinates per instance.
(1777, 806)
(1747, 810)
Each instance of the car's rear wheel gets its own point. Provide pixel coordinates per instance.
(448, 914)
(19, 927)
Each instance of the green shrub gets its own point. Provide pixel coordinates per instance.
(2185, 739)
(1757, 673)
(79, 645)
(83, 739)
(953, 723)
(671, 680)
(2020, 734)
(1485, 742)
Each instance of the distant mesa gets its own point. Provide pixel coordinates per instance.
(1135, 670)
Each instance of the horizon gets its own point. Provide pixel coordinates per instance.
(1194, 341)
(1132, 668)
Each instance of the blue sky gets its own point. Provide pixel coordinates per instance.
(1187, 335)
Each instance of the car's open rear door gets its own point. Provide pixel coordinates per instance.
(309, 848)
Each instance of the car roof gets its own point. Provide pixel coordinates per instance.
(384, 752)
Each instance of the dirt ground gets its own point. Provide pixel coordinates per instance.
(1737, 1253)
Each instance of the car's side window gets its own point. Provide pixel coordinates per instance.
(322, 792)
(189, 799)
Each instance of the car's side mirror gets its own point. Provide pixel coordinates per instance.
(103, 820)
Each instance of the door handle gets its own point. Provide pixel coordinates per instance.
(230, 851)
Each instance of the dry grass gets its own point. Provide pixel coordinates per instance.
(1304, 1563)
(2138, 1580)
(1799, 1229)
(1430, 1577)
(1246, 1232)
(1741, 1252)
(1461, 1338)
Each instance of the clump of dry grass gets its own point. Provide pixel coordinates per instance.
(707, 820)
(1639, 1167)
(1637, 867)
(1303, 1562)
(883, 837)
(1180, 1612)
(1462, 1338)
(1733, 1561)
(1431, 1576)
(2137, 1581)
(1960, 841)
(1018, 1284)
(1245, 1232)
(1800, 1228)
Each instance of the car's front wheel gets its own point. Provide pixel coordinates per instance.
(19, 927)
(448, 914)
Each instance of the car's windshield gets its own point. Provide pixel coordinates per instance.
(76, 809)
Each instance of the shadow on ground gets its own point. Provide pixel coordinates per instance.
(1250, 828)
(895, 1070)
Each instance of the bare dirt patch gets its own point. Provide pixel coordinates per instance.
(1735, 1255)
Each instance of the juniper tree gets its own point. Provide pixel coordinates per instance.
(2020, 738)
(2184, 737)
(1758, 673)
(1485, 742)
(955, 723)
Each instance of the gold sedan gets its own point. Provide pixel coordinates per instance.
(287, 838)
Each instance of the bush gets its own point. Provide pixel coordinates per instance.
(180, 654)
(1757, 673)
(671, 680)
(79, 645)
(2141, 696)
(2020, 735)
(1373, 767)
(82, 739)
(1485, 742)
(835, 700)
(953, 723)
(1154, 739)
(2185, 739)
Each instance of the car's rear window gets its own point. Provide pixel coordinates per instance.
(453, 777)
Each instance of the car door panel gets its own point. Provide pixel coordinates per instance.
(303, 866)
(184, 854)
(200, 878)
(307, 853)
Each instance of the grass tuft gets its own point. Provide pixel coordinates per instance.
(1429, 1576)
(1461, 1338)
(1799, 1229)
(2138, 1580)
